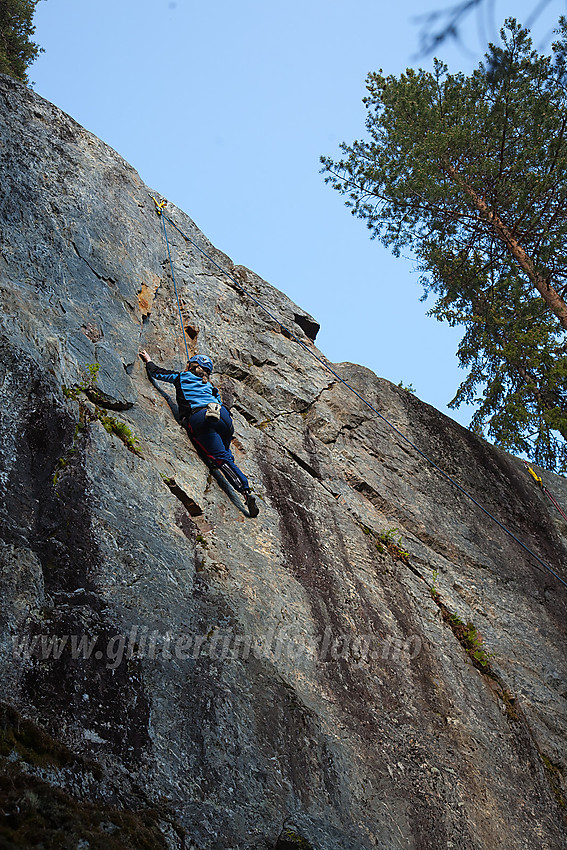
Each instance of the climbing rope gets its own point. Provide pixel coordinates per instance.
(320, 360)
(549, 495)
(159, 210)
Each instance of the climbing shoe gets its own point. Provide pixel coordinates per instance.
(253, 508)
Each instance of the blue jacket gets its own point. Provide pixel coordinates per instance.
(191, 392)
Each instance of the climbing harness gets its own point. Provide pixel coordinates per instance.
(326, 366)
(549, 495)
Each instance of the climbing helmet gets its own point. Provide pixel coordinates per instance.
(203, 361)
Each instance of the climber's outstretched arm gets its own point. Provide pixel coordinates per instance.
(155, 371)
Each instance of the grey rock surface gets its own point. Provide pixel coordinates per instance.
(307, 676)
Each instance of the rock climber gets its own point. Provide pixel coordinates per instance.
(206, 419)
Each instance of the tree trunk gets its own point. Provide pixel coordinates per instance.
(551, 297)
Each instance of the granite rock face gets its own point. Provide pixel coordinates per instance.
(371, 663)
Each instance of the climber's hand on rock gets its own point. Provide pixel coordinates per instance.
(145, 356)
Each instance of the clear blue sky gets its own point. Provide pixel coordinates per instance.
(224, 108)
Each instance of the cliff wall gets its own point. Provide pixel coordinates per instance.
(371, 663)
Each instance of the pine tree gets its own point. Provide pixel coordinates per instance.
(17, 51)
(470, 174)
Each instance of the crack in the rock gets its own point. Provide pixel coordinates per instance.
(304, 465)
(262, 424)
(190, 504)
(108, 280)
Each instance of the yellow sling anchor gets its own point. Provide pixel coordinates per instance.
(158, 205)
(533, 474)
(549, 495)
